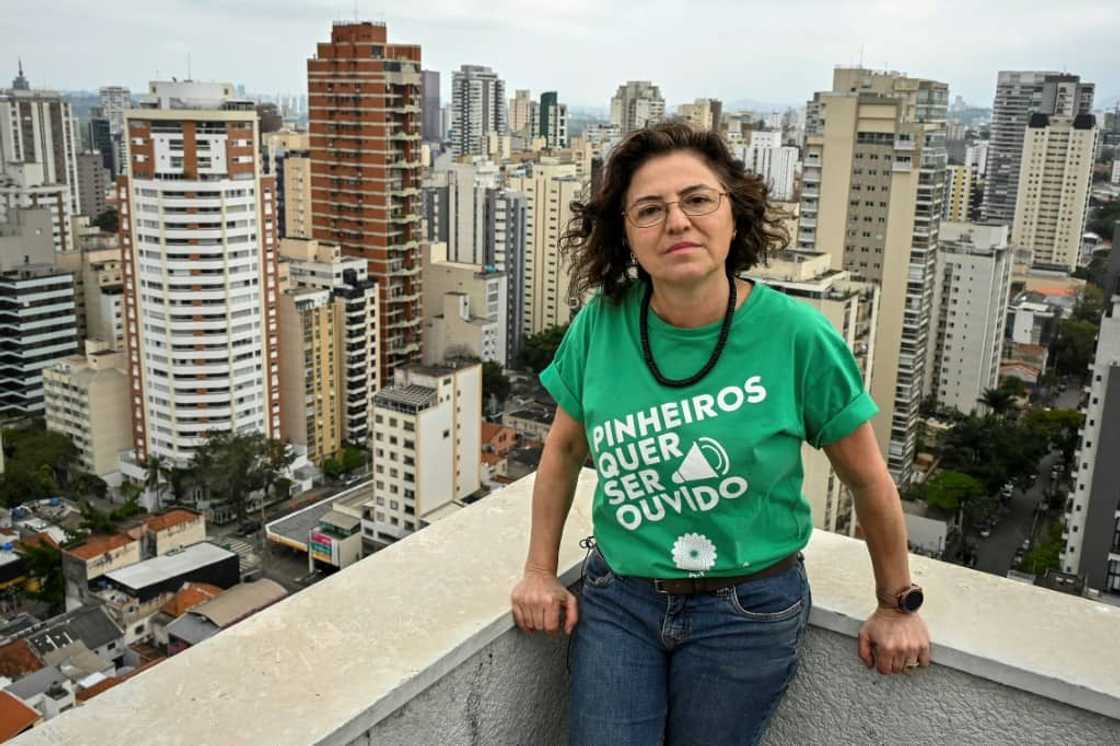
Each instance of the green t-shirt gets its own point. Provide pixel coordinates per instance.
(705, 480)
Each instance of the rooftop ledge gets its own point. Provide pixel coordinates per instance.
(417, 645)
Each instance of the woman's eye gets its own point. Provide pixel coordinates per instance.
(698, 200)
(648, 211)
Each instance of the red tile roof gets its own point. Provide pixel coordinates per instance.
(171, 518)
(189, 596)
(17, 659)
(106, 684)
(38, 539)
(15, 716)
(491, 430)
(98, 545)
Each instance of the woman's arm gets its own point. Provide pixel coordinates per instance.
(539, 597)
(891, 638)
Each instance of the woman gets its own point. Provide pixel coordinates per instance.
(693, 390)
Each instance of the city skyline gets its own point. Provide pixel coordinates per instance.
(126, 45)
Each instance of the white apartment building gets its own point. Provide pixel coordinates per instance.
(970, 307)
(38, 127)
(1055, 181)
(549, 188)
(976, 159)
(852, 308)
(200, 272)
(1092, 535)
(23, 187)
(506, 232)
(426, 450)
(86, 398)
(636, 104)
(455, 204)
(115, 101)
(38, 326)
(775, 163)
(478, 108)
(873, 178)
(464, 310)
(322, 265)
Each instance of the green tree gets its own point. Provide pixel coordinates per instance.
(1017, 387)
(1045, 554)
(108, 221)
(1102, 218)
(231, 466)
(537, 350)
(1000, 402)
(96, 521)
(1090, 305)
(1075, 346)
(44, 564)
(949, 490)
(1056, 427)
(494, 381)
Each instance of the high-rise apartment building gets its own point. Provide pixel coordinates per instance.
(549, 188)
(426, 450)
(703, 113)
(365, 106)
(1019, 94)
(774, 162)
(478, 109)
(198, 239)
(970, 313)
(311, 387)
(316, 265)
(430, 129)
(465, 308)
(524, 113)
(958, 194)
(93, 183)
(38, 327)
(115, 100)
(38, 157)
(86, 398)
(976, 158)
(872, 186)
(455, 204)
(852, 308)
(288, 158)
(1092, 532)
(553, 121)
(636, 104)
(1055, 180)
(507, 219)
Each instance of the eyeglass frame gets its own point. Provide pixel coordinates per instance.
(719, 200)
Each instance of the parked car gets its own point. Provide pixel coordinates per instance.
(1018, 559)
(245, 528)
(1025, 545)
(985, 529)
(1007, 490)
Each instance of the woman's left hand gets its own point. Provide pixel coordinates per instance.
(894, 641)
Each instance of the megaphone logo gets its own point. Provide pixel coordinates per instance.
(705, 459)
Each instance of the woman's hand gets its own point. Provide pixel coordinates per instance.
(538, 601)
(894, 641)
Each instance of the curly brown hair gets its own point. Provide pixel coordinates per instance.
(595, 240)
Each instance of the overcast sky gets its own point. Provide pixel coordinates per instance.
(776, 52)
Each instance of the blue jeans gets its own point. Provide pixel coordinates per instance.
(650, 668)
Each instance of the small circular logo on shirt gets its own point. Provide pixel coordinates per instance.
(694, 553)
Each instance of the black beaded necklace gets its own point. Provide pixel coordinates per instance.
(647, 351)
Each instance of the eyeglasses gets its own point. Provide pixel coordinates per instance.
(647, 213)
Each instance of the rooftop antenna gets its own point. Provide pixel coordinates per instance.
(861, 56)
(189, 66)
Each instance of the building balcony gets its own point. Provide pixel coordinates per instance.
(361, 657)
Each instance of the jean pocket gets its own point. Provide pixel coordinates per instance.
(596, 572)
(775, 599)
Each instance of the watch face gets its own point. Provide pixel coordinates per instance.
(912, 601)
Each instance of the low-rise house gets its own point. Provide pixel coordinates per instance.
(48, 691)
(498, 439)
(98, 555)
(90, 625)
(532, 421)
(206, 620)
(16, 717)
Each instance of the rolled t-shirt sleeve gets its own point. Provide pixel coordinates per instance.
(563, 378)
(834, 400)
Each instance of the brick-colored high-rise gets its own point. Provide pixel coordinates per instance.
(364, 100)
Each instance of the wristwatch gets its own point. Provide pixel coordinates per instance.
(908, 600)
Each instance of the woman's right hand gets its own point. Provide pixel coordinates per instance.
(538, 602)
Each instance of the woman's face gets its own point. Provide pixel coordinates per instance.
(681, 249)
